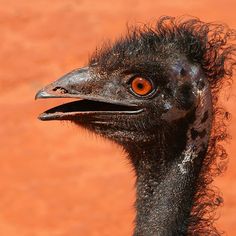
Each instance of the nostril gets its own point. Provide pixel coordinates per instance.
(60, 90)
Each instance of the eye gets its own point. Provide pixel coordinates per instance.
(141, 86)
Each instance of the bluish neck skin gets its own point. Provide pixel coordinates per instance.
(166, 180)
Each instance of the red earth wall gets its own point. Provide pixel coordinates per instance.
(55, 179)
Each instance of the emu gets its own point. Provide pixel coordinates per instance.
(155, 92)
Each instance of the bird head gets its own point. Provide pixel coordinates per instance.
(132, 90)
(126, 104)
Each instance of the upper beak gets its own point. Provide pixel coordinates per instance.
(67, 86)
(80, 84)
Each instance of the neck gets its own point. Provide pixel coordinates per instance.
(164, 200)
(167, 180)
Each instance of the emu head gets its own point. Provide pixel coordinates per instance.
(132, 89)
(156, 91)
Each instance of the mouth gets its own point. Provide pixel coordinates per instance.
(73, 110)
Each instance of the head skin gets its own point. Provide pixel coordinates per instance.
(171, 134)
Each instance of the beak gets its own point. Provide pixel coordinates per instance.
(66, 86)
(88, 91)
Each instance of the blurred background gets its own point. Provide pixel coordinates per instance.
(55, 179)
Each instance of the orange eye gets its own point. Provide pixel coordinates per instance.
(141, 86)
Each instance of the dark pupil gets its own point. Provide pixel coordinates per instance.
(140, 86)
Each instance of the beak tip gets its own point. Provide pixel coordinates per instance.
(42, 117)
(41, 94)
(39, 118)
(47, 116)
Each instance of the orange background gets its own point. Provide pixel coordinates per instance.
(56, 179)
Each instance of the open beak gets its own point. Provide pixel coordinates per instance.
(89, 97)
